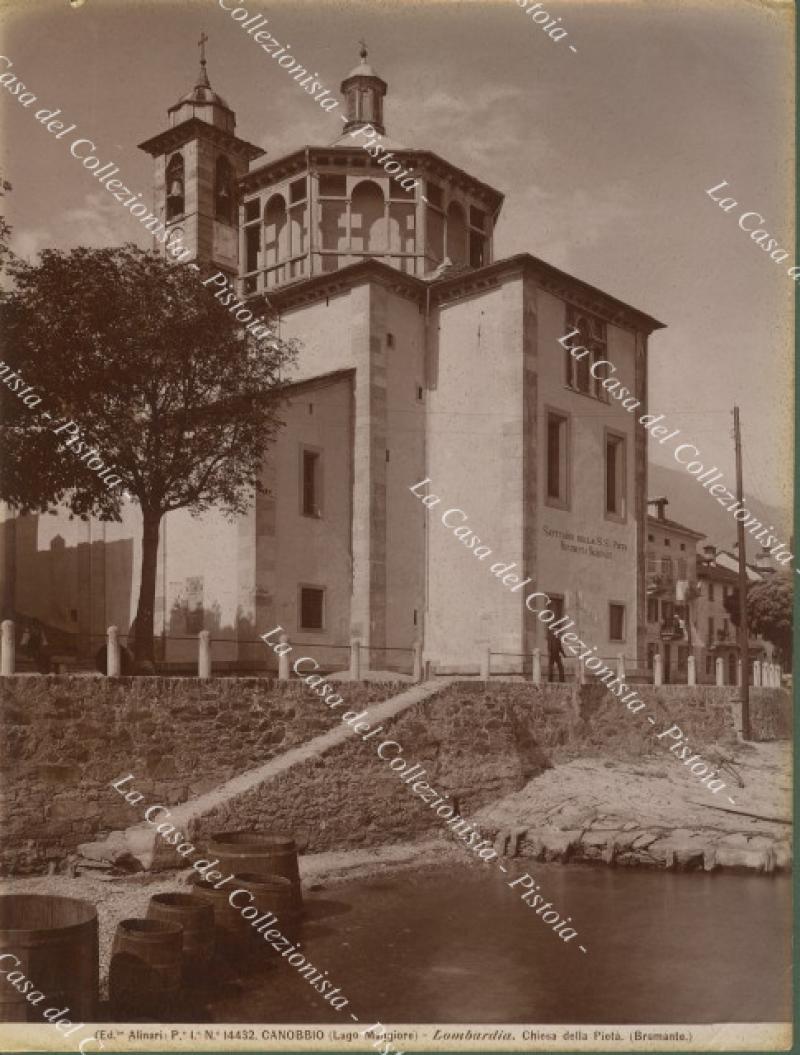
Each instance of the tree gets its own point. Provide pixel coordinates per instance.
(769, 611)
(154, 393)
(5, 226)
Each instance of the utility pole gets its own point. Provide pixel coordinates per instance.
(744, 649)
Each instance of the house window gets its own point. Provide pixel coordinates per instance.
(711, 591)
(651, 538)
(557, 605)
(615, 476)
(312, 608)
(591, 337)
(252, 236)
(616, 622)
(710, 635)
(652, 609)
(557, 460)
(667, 613)
(311, 490)
(667, 542)
(683, 545)
(709, 664)
(333, 186)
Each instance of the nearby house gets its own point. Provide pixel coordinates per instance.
(425, 354)
(671, 591)
(718, 578)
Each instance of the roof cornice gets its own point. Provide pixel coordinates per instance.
(436, 167)
(466, 283)
(195, 128)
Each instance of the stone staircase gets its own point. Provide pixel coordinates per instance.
(140, 848)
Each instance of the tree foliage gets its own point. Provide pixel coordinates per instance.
(160, 380)
(769, 611)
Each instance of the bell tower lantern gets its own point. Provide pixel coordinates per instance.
(363, 92)
(198, 161)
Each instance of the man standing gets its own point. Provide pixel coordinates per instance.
(555, 650)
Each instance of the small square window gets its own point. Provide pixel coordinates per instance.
(335, 186)
(616, 622)
(312, 608)
(435, 194)
(667, 542)
(477, 218)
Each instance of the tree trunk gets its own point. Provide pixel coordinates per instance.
(147, 589)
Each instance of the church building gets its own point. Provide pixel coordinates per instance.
(424, 355)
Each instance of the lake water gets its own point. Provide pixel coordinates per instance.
(455, 945)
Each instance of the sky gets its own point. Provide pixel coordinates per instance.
(604, 154)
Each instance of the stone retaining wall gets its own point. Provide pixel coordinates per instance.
(477, 744)
(65, 738)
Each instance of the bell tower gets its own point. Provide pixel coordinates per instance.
(198, 161)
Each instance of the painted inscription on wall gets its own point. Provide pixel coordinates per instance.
(599, 546)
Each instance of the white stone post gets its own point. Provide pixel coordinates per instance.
(8, 648)
(658, 669)
(720, 665)
(355, 659)
(486, 663)
(691, 671)
(417, 651)
(283, 661)
(204, 654)
(536, 667)
(112, 653)
(756, 673)
(620, 667)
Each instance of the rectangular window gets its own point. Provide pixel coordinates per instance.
(652, 609)
(557, 451)
(709, 664)
(616, 622)
(297, 190)
(311, 490)
(312, 608)
(591, 338)
(615, 476)
(252, 210)
(667, 613)
(710, 635)
(252, 244)
(711, 591)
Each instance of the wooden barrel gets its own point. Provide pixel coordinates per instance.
(55, 940)
(144, 979)
(247, 853)
(272, 893)
(197, 920)
(240, 938)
